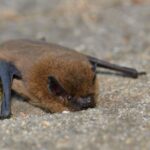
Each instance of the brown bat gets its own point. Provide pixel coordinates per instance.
(52, 77)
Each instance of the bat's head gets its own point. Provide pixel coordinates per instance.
(74, 100)
(65, 85)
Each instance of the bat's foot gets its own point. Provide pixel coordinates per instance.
(5, 116)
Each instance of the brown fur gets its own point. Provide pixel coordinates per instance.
(38, 60)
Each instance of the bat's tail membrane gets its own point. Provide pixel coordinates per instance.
(131, 72)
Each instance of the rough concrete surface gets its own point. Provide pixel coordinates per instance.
(117, 31)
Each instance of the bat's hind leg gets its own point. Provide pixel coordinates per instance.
(7, 72)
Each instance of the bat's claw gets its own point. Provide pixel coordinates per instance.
(142, 73)
(5, 116)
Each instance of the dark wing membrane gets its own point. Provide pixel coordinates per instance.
(131, 72)
(7, 72)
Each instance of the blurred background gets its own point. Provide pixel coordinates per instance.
(102, 25)
(115, 30)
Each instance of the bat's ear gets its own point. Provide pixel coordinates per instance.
(55, 87)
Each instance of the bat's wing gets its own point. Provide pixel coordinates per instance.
(7, 72)
(128, 71)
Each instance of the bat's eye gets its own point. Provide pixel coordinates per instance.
(69, 98)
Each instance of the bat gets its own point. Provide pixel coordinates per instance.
(50, 76)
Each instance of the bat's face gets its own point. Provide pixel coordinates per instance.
(74, 101)
(75, 88)
(72, 87)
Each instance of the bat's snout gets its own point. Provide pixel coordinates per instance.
(83, 103)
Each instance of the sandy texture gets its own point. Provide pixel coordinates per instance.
(118, 31)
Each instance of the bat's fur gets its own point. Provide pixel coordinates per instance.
(50, 76)
(38, 60)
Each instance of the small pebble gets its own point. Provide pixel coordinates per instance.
(45, 124)
(66, 112)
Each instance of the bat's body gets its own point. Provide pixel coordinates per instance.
(50, 76)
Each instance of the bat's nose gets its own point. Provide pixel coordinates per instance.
(87, 102)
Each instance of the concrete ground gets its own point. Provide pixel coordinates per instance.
(117, 31)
